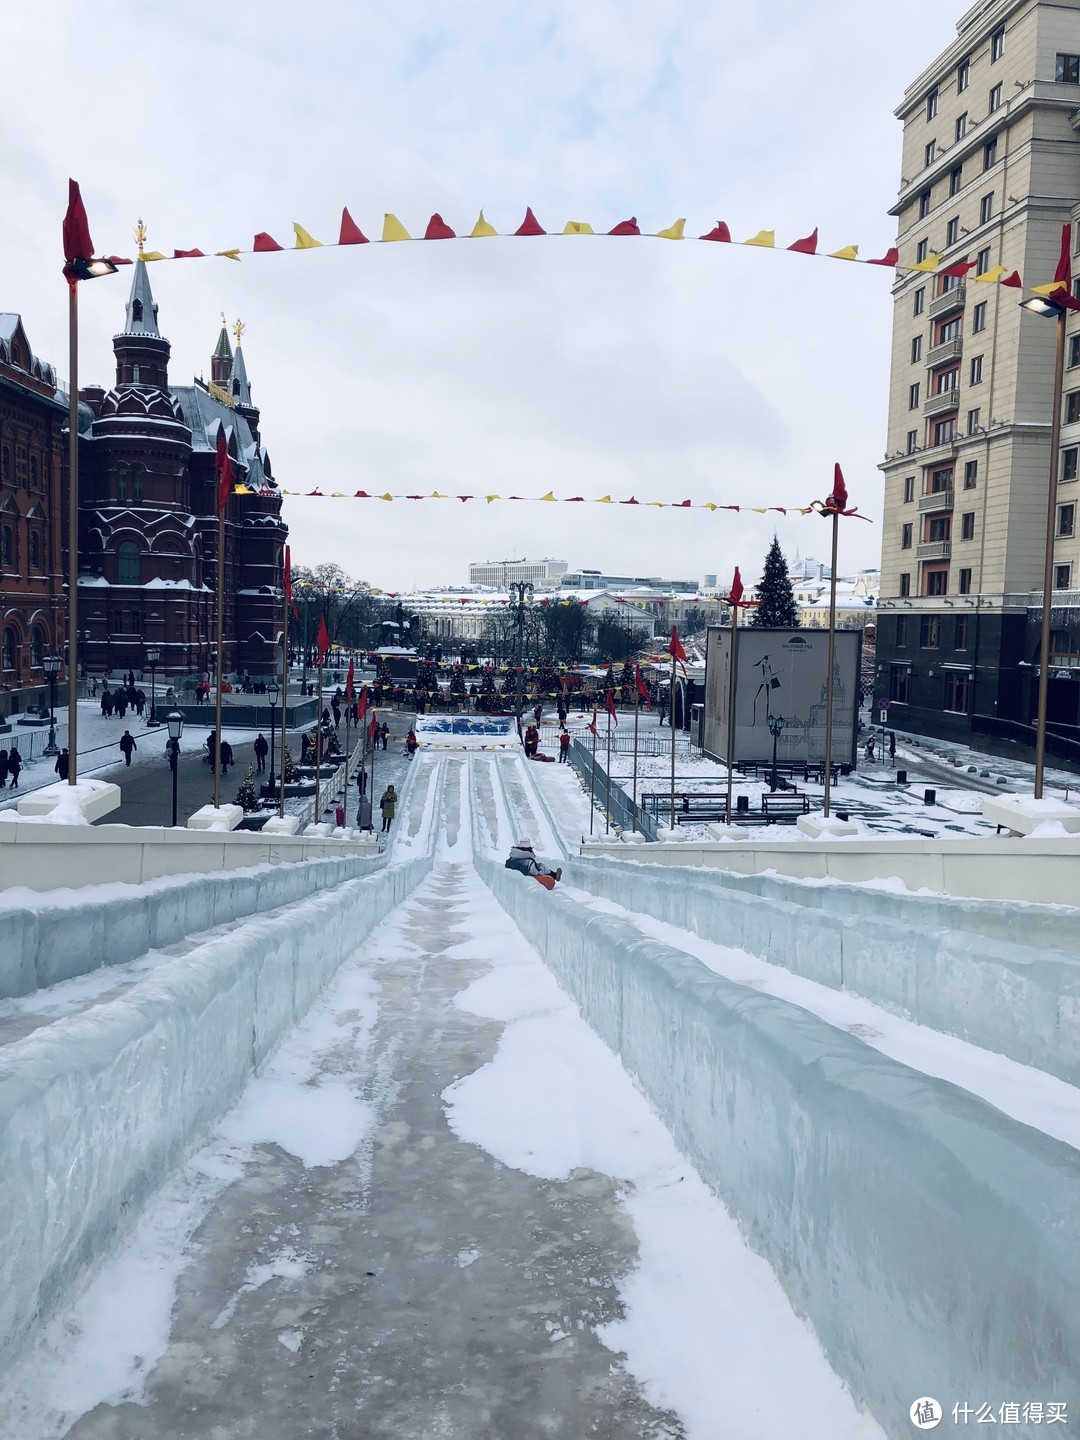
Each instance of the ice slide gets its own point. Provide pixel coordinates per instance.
(444, 1208)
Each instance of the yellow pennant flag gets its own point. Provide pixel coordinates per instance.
(436, 496)
(766, 238)
(763, 511)
(392, 229)
(673, 232)
(387, 496)
(153, 255)
(604, 500)
(489, 499)
(930, 263)
(1049, 289)
(229, 254)
(290, 492)
(337, 495)
(991, 277)
(482, 229)
(846, 252)
(659, 504)
(242, 490)
(578, 227)
(304, 241)
(549, 496)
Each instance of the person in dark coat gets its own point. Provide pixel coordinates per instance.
(3, 768)
(106, 702)
(523, 858)
(129, 680)
(14, 761)
(63, 764)
(564, 745)
(361, 780)
(532, 741)
(226, 756)
(363, 814)
(262, 749)
(211, 748)
(120, 702)
(411, 743)
(384, 734)
(127, 745)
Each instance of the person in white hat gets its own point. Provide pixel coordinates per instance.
(523, 858)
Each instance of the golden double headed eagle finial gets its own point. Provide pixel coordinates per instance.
(238, 330)
(140, 236)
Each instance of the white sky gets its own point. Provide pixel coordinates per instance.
(669, 371)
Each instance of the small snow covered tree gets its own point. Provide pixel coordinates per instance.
(776, 608)
(291, 774)
(245, 796)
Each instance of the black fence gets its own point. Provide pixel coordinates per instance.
(621, 809)
(1058, 746)
(245, 717)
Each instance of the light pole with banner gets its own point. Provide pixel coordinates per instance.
(153, 655)
(273, 694)
(52, 669)
(175, 722)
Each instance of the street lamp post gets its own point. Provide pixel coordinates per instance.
(52, 669)
(273, 694)
(175, 722)
(153, 655)
(776, 725)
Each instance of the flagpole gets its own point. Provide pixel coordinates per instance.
(592, 779)
(672, 727)
(607, 797)
(348, 717)
(284, 705)
(731, 703)
(830, 661)
(318, 748)
(374, 748)
(220, 651)
(637, 715)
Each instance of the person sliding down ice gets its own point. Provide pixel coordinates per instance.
(523, 859)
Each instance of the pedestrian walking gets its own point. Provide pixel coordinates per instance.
(211, 749)
(564, 745)
(892, 746)
(262, 749)
(384, 734)
(226, 757)
(361, 780)
(3, 768)
(869, 752)
(337, 714)
(140, 702)
(63, 764)
(127, 745)
(14, 761)
(363, 814)
(106, 703)
(388, 807)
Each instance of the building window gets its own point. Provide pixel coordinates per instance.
(37, 647)
(982, 261)
(7, 546)
(956, 179)
(1064, 649)
(901, 633)
(967, 525)
(960, 633)
(949, 330)
(976, 369)
(905, 536)
(964, 585)
(932, 99)
(5, 464)
(1067, 72)
(930, 632)
(121, 483)
(939, 529)
(986, 209)
(899, 683)
(913, 396)
(33, 472)
(135, 374)
(1066, 526)
(909, 489)
(136, 482)
(949, 282)
(1074, 351)
(952, 231)
(994, 101)
(997, 44)
(1062, 577)
(127, 563)
(971, 474)
(920, 300)
(1072, 407)
(922, 249)
(34, 550)
(924, 204)
(937, 583)
(947, 380)
(941, 481)
(978, 317)
(10, 644)
(905, 584)
(957, 691)
(930, 154)
(990, 153)
(916, 348)
(912, 441)
(1069, 460)
(973, 417)
(945, 431)
(963, 75)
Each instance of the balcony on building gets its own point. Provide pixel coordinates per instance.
(942, 354)
(938, 500)
(934, 550)
(939, 404)
(951, 300)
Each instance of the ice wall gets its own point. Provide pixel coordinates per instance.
(95, 1109)
(933, 1243)
(1001, 975)
(52, 936)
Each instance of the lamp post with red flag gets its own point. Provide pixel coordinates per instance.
(640, 690)
(323, 645)
(737, 603)
(678, 656)
(288, 606)
(609, 706)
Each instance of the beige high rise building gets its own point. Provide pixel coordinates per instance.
(990, 173)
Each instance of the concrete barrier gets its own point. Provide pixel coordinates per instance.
(96, 1109)
(932, 1242)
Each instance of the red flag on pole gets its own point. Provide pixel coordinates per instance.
(640, 686)
(361, 708)
(288, 582)
(675, 649)
(737, 591)
(350, 689)
(1063, 273)
(224, 470)
(839, 495)
(609, 704)
(373, 730)
(77, 242)
(592, 726)
(322, 641)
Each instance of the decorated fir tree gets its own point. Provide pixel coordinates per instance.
(245, 796)
(776, 607)
(290, 774)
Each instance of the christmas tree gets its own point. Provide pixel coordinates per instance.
(776, 608)
(290, 775)
(245, 796)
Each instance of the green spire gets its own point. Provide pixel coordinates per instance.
(223, 350)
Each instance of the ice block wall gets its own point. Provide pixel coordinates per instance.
(933, 1243)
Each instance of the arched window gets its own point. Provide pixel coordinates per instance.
(34, 550)
(33, 471)
(10, 646)
(136, 482)
(127, 563)
(37, 647)
(136, 311)
(121, 483)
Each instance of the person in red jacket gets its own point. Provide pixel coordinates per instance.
(532, 741)
(564, 745)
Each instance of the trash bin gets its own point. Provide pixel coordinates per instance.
(742, 804)
(901, 777)
(929, 797)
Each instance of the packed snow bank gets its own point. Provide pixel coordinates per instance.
(95, 1109)
(932, 1242)
(54, 935)
(1005, 977)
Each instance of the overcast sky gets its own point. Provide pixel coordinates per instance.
(669, 371)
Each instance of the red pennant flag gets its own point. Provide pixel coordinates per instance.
(626, 227)
(808, 246)
(77, 242)
(631, 501)
(640, 686)
(437, 229)
(224, 471)
(530, 225)
(189, 255)
(373, 729)
(609, 704)
(322, 641)
(1063, 273)
(350, 233)
(263, 241)
(592, 726)
(361, 708)
(350, 690)
(675, 649)
(719, 232)
(839, 496)
(890, 259)
(736, 593)
(118, 260)
(1013, 281)
(960, 269)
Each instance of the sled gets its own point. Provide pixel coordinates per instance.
(548, 881)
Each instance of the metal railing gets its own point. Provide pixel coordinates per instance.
(947, 350)
(934, 550)
(951, 300)
(937, 500)
(621, 810)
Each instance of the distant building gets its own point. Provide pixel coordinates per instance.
(500, 574)
(597, 580)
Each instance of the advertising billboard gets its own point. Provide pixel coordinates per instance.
(780, 694)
